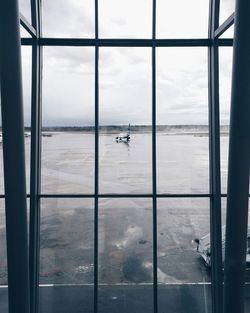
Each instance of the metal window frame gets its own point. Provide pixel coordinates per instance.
(26, 25)
(35, 158)
(221, 29)
(154, 172)
(215, 172)
(96, 185)
(212, 43)
(76, 42)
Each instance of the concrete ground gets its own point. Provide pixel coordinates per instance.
(124, 299)
(125, 227)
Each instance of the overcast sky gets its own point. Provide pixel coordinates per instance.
(125, 73)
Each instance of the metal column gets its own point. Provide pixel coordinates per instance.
(14, 157)
(238, 167)
(214, 155)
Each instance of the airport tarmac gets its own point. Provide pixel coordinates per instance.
(125, 225)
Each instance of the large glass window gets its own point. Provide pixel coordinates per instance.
(125, 255)
(125, 18)
(182, 120)
(226, 9)
(26, 73)
(66, 241)
(229, 33)
(125, 108)
(103, 226)
(225, 70)
(182, 19)
(68, 120)
(25, 9)
(24, 33)
(181, 270)
(68, 18)
(66, 254)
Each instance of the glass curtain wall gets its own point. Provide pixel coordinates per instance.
(121, 143)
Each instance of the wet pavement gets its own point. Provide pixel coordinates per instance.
(125, 226)
(123, 299)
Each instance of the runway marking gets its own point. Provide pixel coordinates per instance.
(123, 284)
(126, 284)
(120, 284)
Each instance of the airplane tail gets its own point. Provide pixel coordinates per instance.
(129, 128)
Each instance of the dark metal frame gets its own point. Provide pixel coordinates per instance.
(96, 203)
(14, 158)
(212, 42)
(35, 153)
(221, 29)
(214, 148)
(78, 42)
(154, 173)
(238, 166)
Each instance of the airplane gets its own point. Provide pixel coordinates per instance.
(204, 247)
(123, 137)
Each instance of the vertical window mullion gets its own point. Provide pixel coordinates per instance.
(96, 204)
(35, 163)
(155, 281)
(214, 160)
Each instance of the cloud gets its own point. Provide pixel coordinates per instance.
(125, 19)
(24, 8)
(225, 71)
(26, 75)
(79, 60)
(182, 19)
(125, 74)
(68, 18)
(226, 9)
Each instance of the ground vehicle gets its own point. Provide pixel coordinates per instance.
(204, 249)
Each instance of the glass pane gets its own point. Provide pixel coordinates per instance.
(24, 33)
(125, 18)
(125, 255)
(26, 75)
(182, 120)
(68, 18)
(25, 9)
(226, 9)
(182, 274)
(228, 33)
(68, 120)
(182, 19)
(125, 109)
(66, 255)
(225, 71)
(3, 261)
